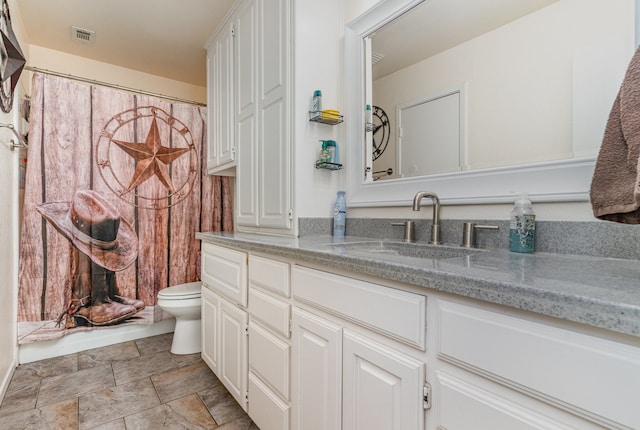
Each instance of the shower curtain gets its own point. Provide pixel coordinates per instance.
(115, 191)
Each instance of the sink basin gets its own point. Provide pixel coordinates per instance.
(406, 249)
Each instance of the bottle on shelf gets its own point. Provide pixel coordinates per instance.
(316, 103)
(325, 155)
(332, 147)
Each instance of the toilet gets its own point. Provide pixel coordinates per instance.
(183, 302)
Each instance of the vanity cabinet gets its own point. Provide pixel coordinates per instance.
(341, 379)
(331, 351)
(342, 376)
(225, 318)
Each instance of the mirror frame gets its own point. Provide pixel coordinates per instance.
(554, 181)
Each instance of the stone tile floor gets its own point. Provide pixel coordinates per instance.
(135, 385)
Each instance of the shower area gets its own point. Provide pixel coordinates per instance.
(114, 191)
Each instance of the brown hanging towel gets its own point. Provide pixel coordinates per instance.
(615, 188)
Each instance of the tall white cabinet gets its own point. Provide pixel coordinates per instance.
(259, 106)
(221, 147)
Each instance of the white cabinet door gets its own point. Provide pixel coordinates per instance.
(274, 114)
(316, 372)
(220, 138)
(246, 93)
(233, 367)
(209, 321)
(383, 389)
(262, 115)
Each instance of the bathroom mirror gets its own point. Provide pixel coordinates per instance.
(524, 94)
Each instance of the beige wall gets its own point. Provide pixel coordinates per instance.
(61, 62)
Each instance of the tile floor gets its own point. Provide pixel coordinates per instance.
(136, 385)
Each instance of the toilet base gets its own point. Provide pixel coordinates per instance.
(186, 337)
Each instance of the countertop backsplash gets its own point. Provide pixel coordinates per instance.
(592, 238)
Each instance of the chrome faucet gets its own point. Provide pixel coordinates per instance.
(435, 226)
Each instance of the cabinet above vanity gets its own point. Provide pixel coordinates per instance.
(249, 88)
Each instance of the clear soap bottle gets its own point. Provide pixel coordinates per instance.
(340, 215)
(522, 226)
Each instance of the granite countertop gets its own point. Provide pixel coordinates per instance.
(599, 292)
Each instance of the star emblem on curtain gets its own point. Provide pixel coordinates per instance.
(152, 159)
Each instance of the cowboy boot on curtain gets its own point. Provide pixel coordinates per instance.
(102, 310)
(80, 275)
(104, 243)
(114, 293)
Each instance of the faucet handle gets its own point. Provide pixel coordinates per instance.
(409, 230)
(469, 233)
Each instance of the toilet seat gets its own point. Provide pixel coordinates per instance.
(191, 290)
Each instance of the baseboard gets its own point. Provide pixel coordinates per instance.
(83, 341)
(6, 379)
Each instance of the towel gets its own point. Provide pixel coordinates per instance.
(615, 187)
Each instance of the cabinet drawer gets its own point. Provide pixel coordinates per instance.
(269, 357)
(395, 313)
(570, 369)
(270, 275)
(266, 409)
(270, 311)
(225, 271)
(484, 408)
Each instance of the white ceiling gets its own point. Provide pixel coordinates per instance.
(161, 37)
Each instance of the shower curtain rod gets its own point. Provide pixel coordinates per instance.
(109, 85)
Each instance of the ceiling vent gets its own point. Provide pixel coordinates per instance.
(82, 35)
(375, 57)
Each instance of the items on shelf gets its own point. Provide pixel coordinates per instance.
(325, 154)
(316, 103)
(328, 158)
(328, 116)
(317, 114)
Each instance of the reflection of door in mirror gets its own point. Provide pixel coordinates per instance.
(429, 136)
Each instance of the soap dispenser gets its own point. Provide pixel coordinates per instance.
(522, 226)
(325, 155)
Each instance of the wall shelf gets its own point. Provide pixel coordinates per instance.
(325, 119)
(327, 165)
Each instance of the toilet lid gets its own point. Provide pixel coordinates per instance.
(182, 291)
